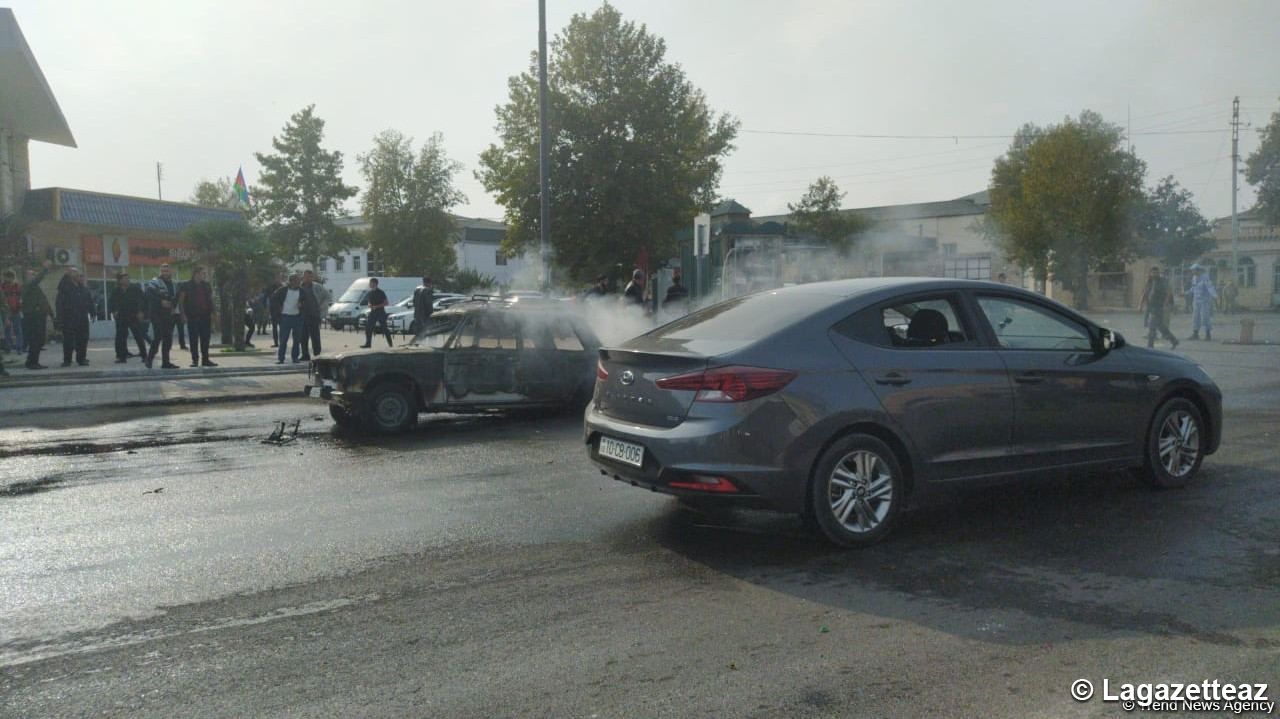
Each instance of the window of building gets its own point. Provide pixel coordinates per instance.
(948, 249)
(1246, 272)
(499, 258)
(355, 263)
(1275, 278)
(339, 264)
(968, 268)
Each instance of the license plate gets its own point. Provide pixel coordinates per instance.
(625, 452)
(315, 392)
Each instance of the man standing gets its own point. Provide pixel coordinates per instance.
(377, 314)
(634, 292)
(1202, 296)
(273, 310)
(195, 307)
(35, 315)
(1157, 299)
(292, 303)
(676, 297)
(126, 302)
(11, 296)
(599, 289)
(311, 315)
(424, 300)
(75, 307)
(162, 299)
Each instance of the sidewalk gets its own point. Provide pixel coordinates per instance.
(248, 375)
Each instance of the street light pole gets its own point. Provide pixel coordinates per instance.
(544, 216)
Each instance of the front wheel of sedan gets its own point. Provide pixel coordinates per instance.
(856, 491)
(1175, 445)
(390, 408)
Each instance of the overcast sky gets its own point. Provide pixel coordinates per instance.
(200, 86)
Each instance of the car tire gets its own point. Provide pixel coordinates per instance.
(856, 491)
(390, 408)
(343, 418)
(1175, 443)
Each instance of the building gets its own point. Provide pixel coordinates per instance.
(28, 111)
(1258, 263)
(104, 234)
(478, 248)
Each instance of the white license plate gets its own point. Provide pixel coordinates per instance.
(625, 452)
(315, 392)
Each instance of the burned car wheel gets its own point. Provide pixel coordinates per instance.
(1175, 445)
(856, 491)
(343, 418)
(390, 408)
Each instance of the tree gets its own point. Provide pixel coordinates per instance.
(635, 152)
(1262, 170)
(407, 202)
(818, 213)
(1063, 200)
(468, 280)
(1170, 225)
(302, 192)
(240, 258)
(215, 193)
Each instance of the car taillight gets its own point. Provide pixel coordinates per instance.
(705, 483)
(602, 374)
(729, 384)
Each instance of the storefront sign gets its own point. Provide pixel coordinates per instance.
(122, 251)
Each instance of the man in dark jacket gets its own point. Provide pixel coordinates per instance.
(311, 315)
(424, 300)
(634, 292)
(377, 314)
(195, 306)
(292, 301)
(126, 304)
(35, 315)
(273, 310)
(75, 308)
(162, 298)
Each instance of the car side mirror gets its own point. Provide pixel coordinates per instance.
(1106, 341)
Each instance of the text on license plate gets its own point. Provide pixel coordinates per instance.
(626, 452)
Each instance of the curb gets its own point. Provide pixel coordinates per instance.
(174, 401)
(17, 381)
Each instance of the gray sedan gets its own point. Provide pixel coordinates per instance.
(840, 401)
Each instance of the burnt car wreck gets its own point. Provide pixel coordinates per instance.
(486, 354)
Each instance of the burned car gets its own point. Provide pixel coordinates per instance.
(486, 354)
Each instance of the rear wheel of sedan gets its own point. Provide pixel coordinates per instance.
(856, 491)
(1175, 445)
(390, 408)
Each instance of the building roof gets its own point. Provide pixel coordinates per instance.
(131, 213)
(27, 105)
(357, 223)
(974, 204)
(729, 207)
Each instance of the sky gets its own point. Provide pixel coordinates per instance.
(200, 86)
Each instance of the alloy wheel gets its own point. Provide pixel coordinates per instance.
(860, 490)
(1179, 443)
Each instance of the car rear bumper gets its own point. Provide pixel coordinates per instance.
(708, 448)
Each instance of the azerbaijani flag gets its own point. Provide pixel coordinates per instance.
(241, 190)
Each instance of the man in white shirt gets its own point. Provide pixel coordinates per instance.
(293, 303)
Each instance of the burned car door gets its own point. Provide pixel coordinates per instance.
(481, 364)
(550, 352)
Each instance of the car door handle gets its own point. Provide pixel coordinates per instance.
(893, 378)
(1029, 378)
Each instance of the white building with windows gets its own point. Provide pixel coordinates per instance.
(1258, 263)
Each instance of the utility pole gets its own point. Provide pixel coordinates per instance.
(1235, 180)
(544, 215)
(159, 188)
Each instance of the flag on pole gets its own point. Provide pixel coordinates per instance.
(242, 190)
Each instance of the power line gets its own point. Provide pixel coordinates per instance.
(957, 138)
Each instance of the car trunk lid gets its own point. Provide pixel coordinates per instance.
(629, 391)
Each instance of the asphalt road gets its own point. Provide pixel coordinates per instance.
(173, 565)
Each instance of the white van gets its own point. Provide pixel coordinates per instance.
(344, 311)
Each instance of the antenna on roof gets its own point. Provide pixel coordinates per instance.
(159, 176)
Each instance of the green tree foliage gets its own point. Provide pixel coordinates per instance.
(1064, 199)
(818, 213)
(635, 151)
(407, 202)
(1170, 225)
(240, 259)
(13, 242)
(215, 193)
(468, 280)
(1262, 170)
(302, 193)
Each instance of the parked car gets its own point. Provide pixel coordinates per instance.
(346, 311)
(840, 401)
(476, 356)
(400, 317)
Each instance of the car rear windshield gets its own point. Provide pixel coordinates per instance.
(745, 319)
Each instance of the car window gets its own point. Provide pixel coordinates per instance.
(1024, 325)
(495, 332)
(922, 323)
(565, 338)
(436, 333)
